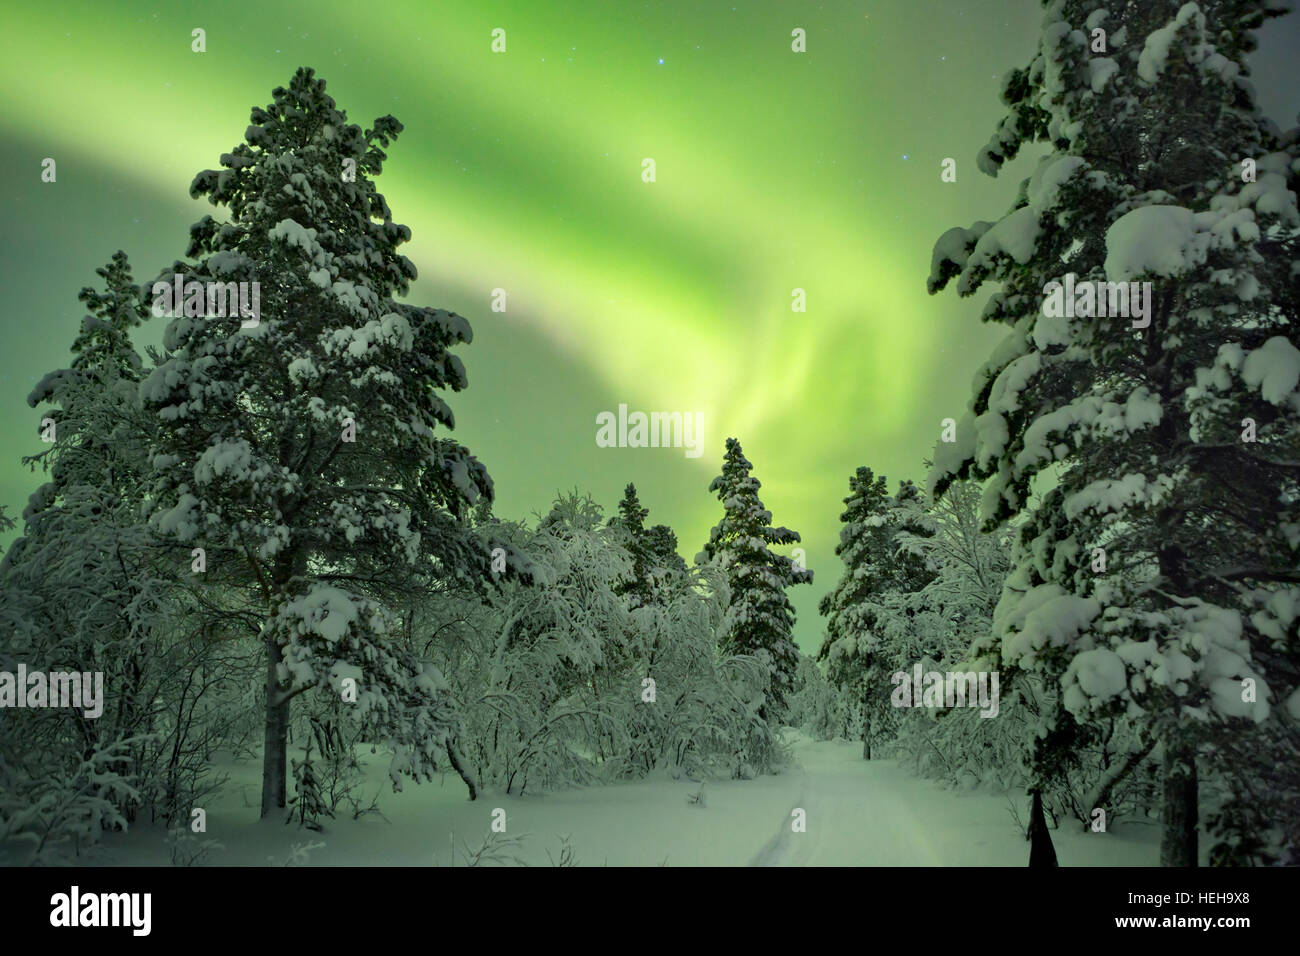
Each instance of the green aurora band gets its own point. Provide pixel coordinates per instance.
(522, 171)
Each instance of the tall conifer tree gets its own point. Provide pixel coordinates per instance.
(760, 617)
(1152, 457)
(308, 449)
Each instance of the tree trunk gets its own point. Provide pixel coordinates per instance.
(1101, 795)
(275, 746)
(458, 764)
(866, 732)
(1178, 841)
(1041, 851)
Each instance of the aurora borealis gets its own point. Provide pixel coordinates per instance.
(522, 170)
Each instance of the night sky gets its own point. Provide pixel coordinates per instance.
(522, 171)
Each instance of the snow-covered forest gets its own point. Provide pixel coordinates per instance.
(1076, 632)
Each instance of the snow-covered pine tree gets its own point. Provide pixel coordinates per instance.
(303, 449)
(89, 589)
(81, 528)
(909, 518)
(309, 803)
(903, 638)
(104, 371)
(865, 611)
(760, 617)
(653, 589)
(653, 551)
(78, 591)
(660, 543)
(864, 547)
(631, 518)
(1155, 570)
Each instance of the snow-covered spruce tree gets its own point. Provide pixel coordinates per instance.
(631, 518)
(79, 590)
(653, 551)
(89, 589)
(309, 802)
(912, 524)
(301, 448)
(658, 575)
(860, 656)
(760, 617)
(1154, 574)
(660, 546)
(97, 441)
(864, 548)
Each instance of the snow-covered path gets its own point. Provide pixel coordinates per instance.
(854, 816)
(872, 813)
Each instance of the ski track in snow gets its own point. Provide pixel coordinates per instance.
(855, 816)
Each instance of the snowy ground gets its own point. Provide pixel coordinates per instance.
(859, 813)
